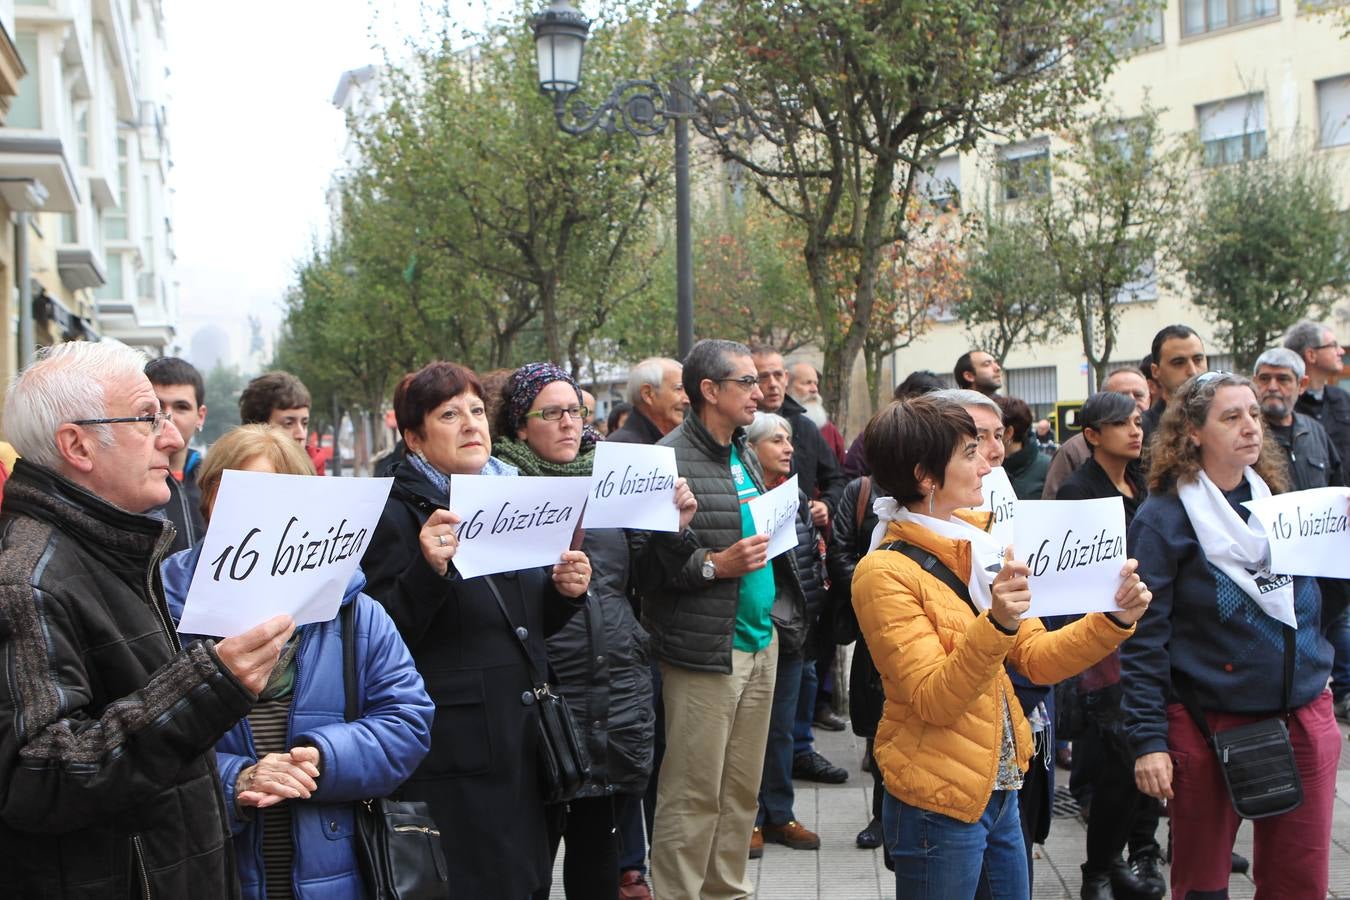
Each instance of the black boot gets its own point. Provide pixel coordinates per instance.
(1147, 870)
(1096, 885)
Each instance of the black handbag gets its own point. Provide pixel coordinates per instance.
(1256, 759)
(397, 843)
(563, 763)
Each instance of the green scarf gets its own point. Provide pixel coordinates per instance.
(519, 454)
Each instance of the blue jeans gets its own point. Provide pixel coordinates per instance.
(806, 709)
(939, 858)
(775, 786)
(1338, 634)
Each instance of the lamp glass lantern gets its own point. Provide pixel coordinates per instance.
(559, 39)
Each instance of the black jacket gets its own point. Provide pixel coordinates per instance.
(637, 429)
(1333, 412)
(813, 461)
(849, 540)
(108, 785)
(809, 556)
(481, 777)
(1313, 459)
(184, 511)
(1090, 482)
(600, 667)
(691, 620)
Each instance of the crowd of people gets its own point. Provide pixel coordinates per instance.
(138, 760)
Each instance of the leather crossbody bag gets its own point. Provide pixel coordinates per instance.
(563, 763)
(397, 843)
(1256, 759)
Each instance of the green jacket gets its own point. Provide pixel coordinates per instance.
(691, 620)
(1026, 470)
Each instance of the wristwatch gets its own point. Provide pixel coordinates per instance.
(708, 570)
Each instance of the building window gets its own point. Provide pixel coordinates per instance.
(940, 181)
(112, 288)
(1038, 386)
(1200, 16)
(1333, 111)
(1025, 169)
(115, 220)
(1233, 130)
(1142, 287)
(26, 109)
(82, 132)
(1147, 33)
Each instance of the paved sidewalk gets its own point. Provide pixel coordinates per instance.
(840, 871)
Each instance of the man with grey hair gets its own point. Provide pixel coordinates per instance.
(1314, 461)
(1321, 353)
(658, 400)
(719, 611)
(108, 786)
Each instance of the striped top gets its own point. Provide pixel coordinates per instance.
(269, 720)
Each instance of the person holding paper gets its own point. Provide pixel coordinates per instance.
(718, 611)
(1216, 635)
(293, 769)
(107, 786)
(1112, 426)
(599, 658)
(481, 777)
(941, 608)
(770, 436)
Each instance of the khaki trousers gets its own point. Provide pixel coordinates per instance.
(708, 794)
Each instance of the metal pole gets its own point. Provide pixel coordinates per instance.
(684, 251)
(26, 341)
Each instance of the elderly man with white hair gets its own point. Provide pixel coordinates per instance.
(658, 400)
(107, 781)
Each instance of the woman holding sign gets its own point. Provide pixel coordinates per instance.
(941, 607)
(1228, 645)
(294, 768)
(481, 778)
(599, 658)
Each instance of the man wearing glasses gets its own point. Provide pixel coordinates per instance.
(718, 611)
(107, 783)
(1329, 405)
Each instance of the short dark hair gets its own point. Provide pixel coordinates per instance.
(709, 358)
(169, 370)
(1165, 335)
(616, 412)
(1146, 366)
(422, 391)
(1106, 408)
(1016, 414)
(922, 433)
(964, 364)
(272, 390)
(918, 383)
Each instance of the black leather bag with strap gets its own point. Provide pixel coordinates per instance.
(563, 763)
(398, 845)
(1256, 759)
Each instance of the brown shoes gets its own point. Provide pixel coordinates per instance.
(756, 843)
(793, 834)
(632, 886)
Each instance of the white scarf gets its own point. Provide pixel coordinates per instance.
(1234, 547)
(986, 556)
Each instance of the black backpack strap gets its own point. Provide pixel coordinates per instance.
(540, 684)
(935, 567)
(1186, 694)
(348, 618)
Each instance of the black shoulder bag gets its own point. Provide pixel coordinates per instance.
(563, 764)
(1256, 759)
(935, 567)
(397, 843)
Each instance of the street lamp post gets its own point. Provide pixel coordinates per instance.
(640, 107)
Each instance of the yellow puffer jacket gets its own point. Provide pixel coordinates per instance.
(942, 668)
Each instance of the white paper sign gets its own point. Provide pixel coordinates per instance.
(514, 523)
(280, 544)
(1001, 500)
(633, 486)
(1307, 531)
(775, 514)
(1075, 550)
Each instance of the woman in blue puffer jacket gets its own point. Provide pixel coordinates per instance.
(294, 768)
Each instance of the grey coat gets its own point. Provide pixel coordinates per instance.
(691, 621)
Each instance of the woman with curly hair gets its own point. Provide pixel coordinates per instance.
(1218, 635)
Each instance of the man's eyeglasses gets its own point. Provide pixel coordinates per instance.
(1327, 346)
(554, 413)
(157, 421)
(745, 381)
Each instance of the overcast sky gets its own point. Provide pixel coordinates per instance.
(255, 140)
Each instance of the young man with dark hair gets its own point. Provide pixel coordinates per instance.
(281, 400)
(978, 371)
(182, 396)
(1178, 354)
